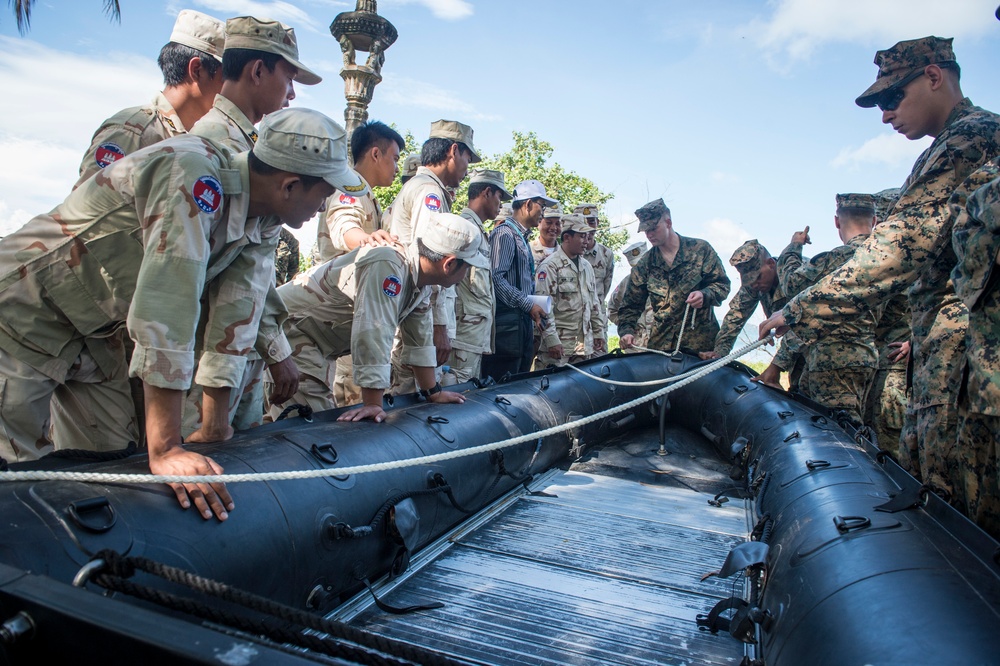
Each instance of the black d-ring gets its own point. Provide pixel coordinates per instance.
(80, 509)
(325, 453)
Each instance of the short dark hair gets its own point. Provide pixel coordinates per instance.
(373, 133)
(173, 61)
(475, 189)
(953, 66)
(435, 151)
(562, 234)
(234, 60)
(262, 168)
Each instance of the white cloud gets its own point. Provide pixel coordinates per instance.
(448, 10)
(798, 27)
(278, 10)
(412, 93)
(892, 150)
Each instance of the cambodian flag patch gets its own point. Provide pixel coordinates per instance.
(108, 153)
(391, 286)
(432, 202)
(347, 199)
(207, 192)
(542, 275)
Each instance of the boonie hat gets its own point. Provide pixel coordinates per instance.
(634, 251)
(553, 211)
(863, 203)
(748, 259)
(247, 32)
(456, 131)
(649, 214)
(491, 177)
(200, 32)
(453, 235)
(902, 60)
(575, 222)
(306, 142)
(410, 165)
(532, 189)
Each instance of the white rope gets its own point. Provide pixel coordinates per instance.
(100, 477)
(651, 382)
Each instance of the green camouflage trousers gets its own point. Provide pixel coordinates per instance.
(885, 407)
(977, 488)
(843, 388)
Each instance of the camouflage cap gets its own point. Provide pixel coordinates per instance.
(634, 251)
(306, 142)
(553, 211)
(649, 214)
(506, 210)
(861, 203)
(748, 259)
(201, 32)
(453, 235)
(574, 222)
(456, 131)
(410, 165)
(902, 60)
(884, 201)
(247, 32)
(490, 177)
(587, 210)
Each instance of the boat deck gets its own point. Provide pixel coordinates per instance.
(601, 564)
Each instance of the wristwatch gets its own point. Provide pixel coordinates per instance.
(426, 393)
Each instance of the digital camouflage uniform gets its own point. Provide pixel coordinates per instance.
(977, 243)
(474, 305)
(286, 258)
(345, 211)
(226, 124)
(696, 267)
(354, 304)
(841, 365)
(575, 321)
(160, 239)
(911, 250)
(644, 322)
(885, 408)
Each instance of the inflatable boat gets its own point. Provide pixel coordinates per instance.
(604, 515)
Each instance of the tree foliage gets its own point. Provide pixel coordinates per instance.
(528, 158)
(22, 12)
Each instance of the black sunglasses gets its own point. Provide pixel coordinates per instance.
(890, 99)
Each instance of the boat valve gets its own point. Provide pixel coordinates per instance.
(16, 628)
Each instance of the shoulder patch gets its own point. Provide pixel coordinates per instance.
(541, 275)
(207, 193)
(347, 200)
(432, 202)
(391, 286)
(108, 153)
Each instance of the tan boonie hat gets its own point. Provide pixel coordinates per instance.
(634, 251)
(552, 211)
(903, 60)
(456, 131)
(649, 215)
(201, 32)
(884, 202)
(410, 165)
(247, 32)
(453, 235)
(575, 222)
(306, 142)
(587, 210)
(861, 203)
(748, 259)
(490, 177)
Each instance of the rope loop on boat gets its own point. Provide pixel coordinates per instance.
(101, 477)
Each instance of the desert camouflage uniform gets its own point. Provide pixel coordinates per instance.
(160, 239)
(539, 252)
(474, 307)
(840, 366)
(911, 250)
(977, 244)
(227, 124)
(644, 323)
(345, 211)
(129, 130)
(696, 267)
(417, 199)
(354, 304)
(885, 407)
(575, 321)
(286, 258)
(602, 258)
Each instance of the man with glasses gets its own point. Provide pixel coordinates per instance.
(514, 282)
(918, 91)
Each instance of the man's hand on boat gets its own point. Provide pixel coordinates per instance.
(770, 377)
(167, 454)
(556, 351)
(775, 321)
(285, 375)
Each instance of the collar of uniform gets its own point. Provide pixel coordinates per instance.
(236, 185)
(568, 259)
(168, 113)
(422, 170)
(471, 216)
(857, 241)
(239, 118)
(413, 265)
(961, 109)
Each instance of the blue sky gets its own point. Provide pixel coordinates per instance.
(740, 115)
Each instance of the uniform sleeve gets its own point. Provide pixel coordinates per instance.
(341, 218)
(546, 281)
(165, 310)
(376, 318)
(791, 348)
(271, 343)
(609, 276)
(740, 308)
(418, 340)
(616, 300)
(596, 320)
(715, 283)
(634, 300)
(110, 141)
